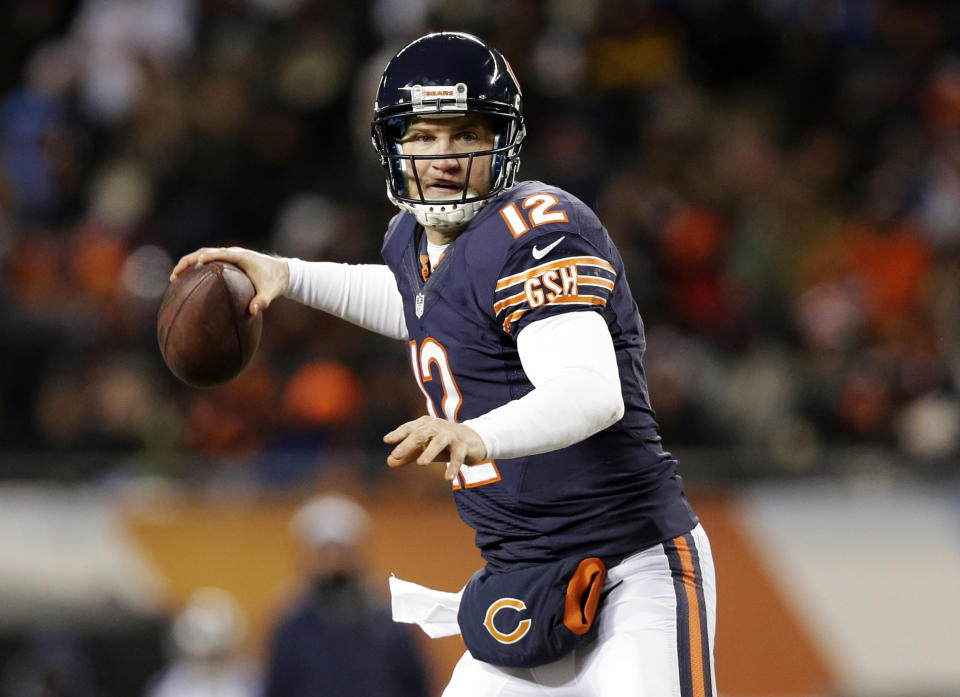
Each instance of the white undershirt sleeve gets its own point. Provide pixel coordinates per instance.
(572, 364)
(364, 294)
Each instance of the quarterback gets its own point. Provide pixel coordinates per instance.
(523, 335)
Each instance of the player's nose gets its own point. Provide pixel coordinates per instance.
(446, 164)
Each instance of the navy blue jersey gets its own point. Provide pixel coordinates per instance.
(534, 252)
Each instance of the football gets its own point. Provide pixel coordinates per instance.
(205, 331)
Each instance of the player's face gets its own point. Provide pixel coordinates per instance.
(330, 560)
(444, 178)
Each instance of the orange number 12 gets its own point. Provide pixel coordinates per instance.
(541, 213)
(430, 361)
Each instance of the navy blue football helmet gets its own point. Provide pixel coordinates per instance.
(447, 74)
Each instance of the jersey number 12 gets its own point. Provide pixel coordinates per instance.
(541, 207)
(430, 361)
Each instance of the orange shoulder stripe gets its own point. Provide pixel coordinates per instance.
(508, 281)
(582, 299)
(563, 299)
(511, 318)
(595, 281)
(507, 302)
(521, 297)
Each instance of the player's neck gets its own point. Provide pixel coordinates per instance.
(443, 237)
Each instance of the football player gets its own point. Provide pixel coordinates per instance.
(527, 344)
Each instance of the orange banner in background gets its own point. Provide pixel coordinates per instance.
(762, 649)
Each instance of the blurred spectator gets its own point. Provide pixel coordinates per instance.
(338, 640)
(206, 637)
(51, 666)
(38, 146)
(116, 39)
(323, 395)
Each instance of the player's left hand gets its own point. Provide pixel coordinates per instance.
(429, 439)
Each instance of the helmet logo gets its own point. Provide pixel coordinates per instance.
(436, 98)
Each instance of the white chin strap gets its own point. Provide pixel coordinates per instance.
(443, 216)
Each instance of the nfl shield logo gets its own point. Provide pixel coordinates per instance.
(418, 307)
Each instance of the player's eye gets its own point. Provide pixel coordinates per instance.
(418, 138)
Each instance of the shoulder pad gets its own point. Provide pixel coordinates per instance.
(526, 212)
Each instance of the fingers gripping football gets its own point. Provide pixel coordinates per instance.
(270, 275)
(429, 439)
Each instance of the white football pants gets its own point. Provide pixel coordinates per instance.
(655, 637)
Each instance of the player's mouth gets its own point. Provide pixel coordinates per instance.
(444, 189)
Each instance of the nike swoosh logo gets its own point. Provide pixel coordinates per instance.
(541, 253)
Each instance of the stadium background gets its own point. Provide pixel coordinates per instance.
(782, 178)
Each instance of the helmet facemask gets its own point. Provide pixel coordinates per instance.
(457, 209)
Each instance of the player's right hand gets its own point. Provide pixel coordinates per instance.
(430, 439)
(270, 275)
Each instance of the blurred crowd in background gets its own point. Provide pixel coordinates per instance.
(782, 178)
(325, 630)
